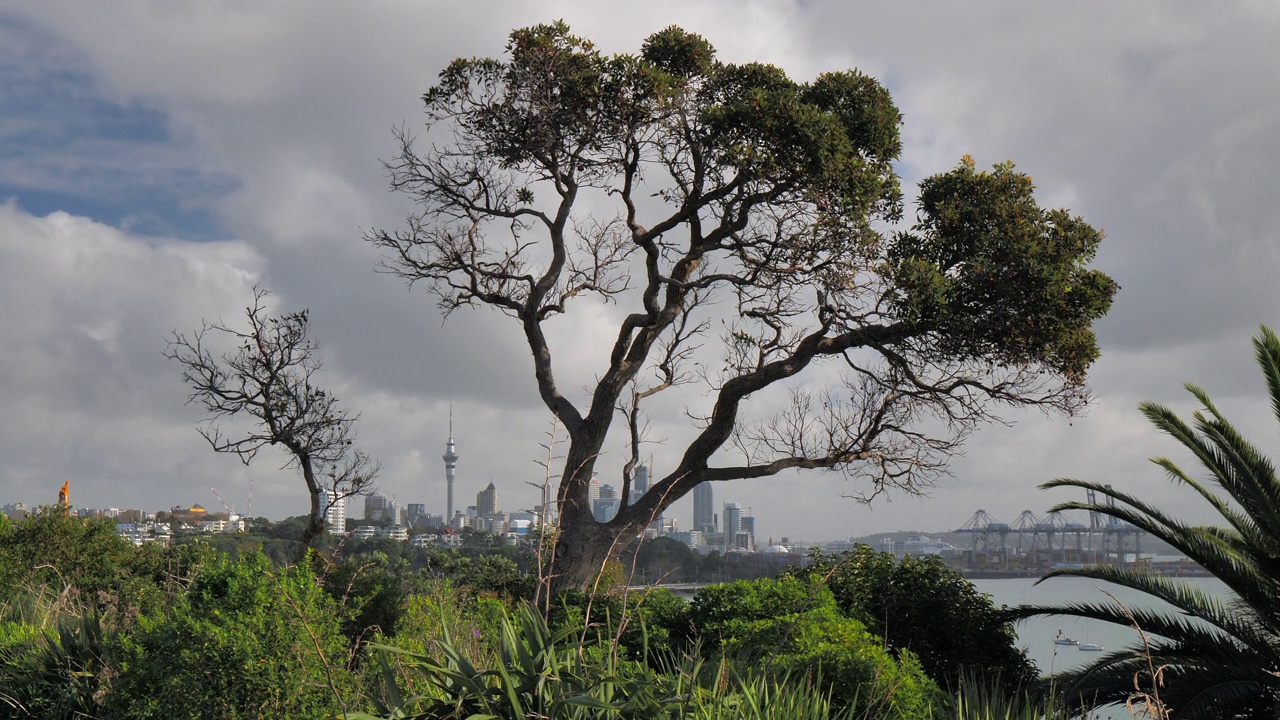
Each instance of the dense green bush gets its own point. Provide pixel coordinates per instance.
(370, 592)
(847, 660)
(246, 641)
(437, 611)
(920, 604)
(637, 624)
(493, 574)
(85, 560)
(720, 612)
(793, 627)
(112, 631)
(52, 549)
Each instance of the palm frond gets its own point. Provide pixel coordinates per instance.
(1218, 656)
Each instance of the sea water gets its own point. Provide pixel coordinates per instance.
(1037, 634)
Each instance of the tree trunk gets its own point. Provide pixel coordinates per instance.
(315, 520)
(582, 551)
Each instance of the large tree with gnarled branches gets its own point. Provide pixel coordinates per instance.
(686, 190)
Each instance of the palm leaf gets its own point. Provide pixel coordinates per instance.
(1216, 656)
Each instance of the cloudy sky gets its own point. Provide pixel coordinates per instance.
(158, 158)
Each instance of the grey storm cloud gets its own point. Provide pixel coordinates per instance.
(1154, 122)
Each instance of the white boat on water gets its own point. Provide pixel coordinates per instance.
(1064, 640)
(1091, 647)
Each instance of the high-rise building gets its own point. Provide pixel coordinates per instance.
(640, 484)
(335, 513)
(747, 532)
(737, 529)
(413, 513)
(593, 488)
(450, 465)
(704, 509)
(377, 507)
(487, 501)
(605, 507)
(732, 519)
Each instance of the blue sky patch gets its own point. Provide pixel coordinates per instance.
(66, 144)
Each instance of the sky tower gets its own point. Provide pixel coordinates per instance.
(450, 465)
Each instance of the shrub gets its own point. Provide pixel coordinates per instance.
(638, 624)
(371, 594)
(50, 548)
(436, 610)
(920, 604)
(542, 673)
(845, 659)
(720, 612)
(247, 641)
(54, 666)
(792, 627)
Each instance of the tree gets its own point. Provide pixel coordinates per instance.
(1217, 656)
(270, 377)
(920, 604)
(689, 192)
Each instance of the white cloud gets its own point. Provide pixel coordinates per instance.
(88, 395)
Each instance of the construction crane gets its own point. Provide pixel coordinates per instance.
(226, 507)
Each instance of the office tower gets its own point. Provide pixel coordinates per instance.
(414, 511)
(335, 513)
(640, 485)
(377, 507)
(703, 509)
(450, 465)
(605, 507)
(734, 531)
(487, 501)
(732, 521)
(593, 488)
(747, 532)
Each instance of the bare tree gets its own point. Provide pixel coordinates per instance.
(688, 192)
(270, 377)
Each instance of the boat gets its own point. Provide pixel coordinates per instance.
(1091, 647)
(1064, 640)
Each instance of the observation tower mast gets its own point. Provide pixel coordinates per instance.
(450, 465)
